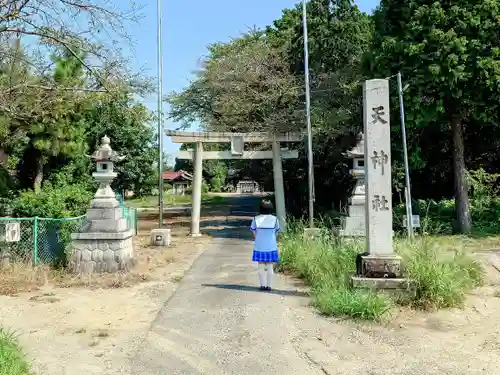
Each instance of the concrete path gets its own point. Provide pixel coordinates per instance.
(219, 323)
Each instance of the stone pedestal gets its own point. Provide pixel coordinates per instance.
(399, 289)
(160, 237)
(104, 244)
(354, 224)
(4, 259)
(381, 266)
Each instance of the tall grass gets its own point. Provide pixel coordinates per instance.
(12, 360)
(442, 278)
(326, 264)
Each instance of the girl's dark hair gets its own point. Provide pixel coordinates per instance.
(266, 207)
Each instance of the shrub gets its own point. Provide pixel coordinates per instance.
(442, 277)
(205, 188)
(344, 301)
(52, 202)
(438, 217)
(12, 360)
(326, 264)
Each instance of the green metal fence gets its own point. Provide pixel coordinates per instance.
(38, 240)
(130, 213)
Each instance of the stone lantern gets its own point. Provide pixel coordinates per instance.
(104, 244)
(354, 225)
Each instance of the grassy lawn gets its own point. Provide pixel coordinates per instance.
(171, 200)
(12, 360)
(442, 269)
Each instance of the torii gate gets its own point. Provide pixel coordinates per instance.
(237, 152)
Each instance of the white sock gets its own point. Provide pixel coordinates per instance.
(270, 272)
(261, 270)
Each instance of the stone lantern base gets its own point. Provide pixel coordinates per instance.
(104, 244)
(98, 253)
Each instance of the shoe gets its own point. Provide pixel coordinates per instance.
(268, 288)
(263, 288)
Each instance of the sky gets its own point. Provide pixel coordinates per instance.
(188, 27)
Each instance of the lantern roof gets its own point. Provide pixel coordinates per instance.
(105, 152)
(359, 150)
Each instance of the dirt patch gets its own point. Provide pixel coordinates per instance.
(21, 278)
(453, 341)
(91, 325)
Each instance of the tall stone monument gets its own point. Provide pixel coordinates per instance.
(354, 225)
(381, 261)
(104, 244)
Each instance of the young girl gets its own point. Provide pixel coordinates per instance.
(265, 228)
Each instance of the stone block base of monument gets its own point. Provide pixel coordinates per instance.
(383, 273)
(4, 259)
(381, 266)
(160, 237)
(102, 252)
(398, 289)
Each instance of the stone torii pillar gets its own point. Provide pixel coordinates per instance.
(237, 152)
(196, 190)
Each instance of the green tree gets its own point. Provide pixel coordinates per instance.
(128, 125)
(57, 129)
(244, 85)
(449, 54)
(339, 35)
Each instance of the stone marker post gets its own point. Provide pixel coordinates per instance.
(104, 244)
(381, 261)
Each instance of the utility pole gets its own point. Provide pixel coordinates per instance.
(308, 118)
(409, 214)
(160, 117)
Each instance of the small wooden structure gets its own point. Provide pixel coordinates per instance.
(180, 181)
(247, 187)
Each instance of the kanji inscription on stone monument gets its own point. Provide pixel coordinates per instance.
(378, 112)
(381, 159)
(378, 169)
(379, 203)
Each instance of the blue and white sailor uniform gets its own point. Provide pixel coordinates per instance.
(265, 248)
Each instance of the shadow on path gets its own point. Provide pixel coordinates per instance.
(240, 210)
(247, 288)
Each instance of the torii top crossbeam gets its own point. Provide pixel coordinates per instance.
(226, 137)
